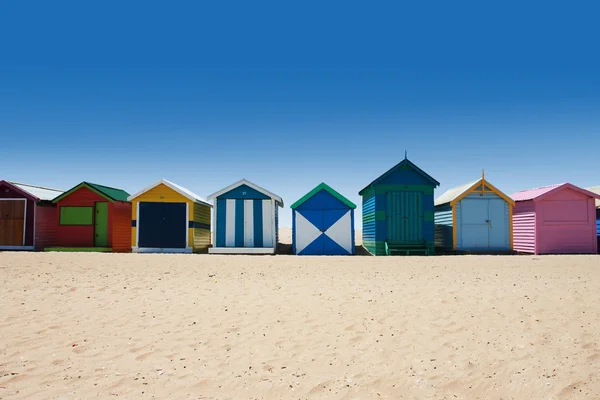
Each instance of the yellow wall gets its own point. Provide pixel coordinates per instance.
(164, 194)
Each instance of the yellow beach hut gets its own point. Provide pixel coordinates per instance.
(169, 218)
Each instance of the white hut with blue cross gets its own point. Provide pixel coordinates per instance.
(245, 219)
(323, 223)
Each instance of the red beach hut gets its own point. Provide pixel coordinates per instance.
(92, 217)
(27, 216)
(557, 219)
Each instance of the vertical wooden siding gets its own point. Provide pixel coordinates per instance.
(202, 235)
(7, 192)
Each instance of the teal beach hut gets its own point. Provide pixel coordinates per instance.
(398, 211)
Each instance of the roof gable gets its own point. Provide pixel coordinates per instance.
(328, 189)
(406, 163)
(109, 193)
(456, 194)
(173, 186)
(541, 192)
(9, 186)
(271, 195)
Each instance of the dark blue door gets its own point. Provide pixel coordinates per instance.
(162, 225)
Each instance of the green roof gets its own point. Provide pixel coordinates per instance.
(328, 189)
(111, 194)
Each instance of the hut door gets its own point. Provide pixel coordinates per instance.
(101, 225)
(404, 213)
(475, 223)
(12, 222)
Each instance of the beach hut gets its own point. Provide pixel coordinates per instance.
(474, 217)
(246, 219)
(93, 217)
(398, 211)
(27, 216)
(557, 219)
(596, 189)
(323, 223)
(169, 218)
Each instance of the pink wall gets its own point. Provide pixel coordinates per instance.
(565, 223)
(524, 226)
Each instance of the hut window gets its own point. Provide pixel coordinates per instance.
(76, 215)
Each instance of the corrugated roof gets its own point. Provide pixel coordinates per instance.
(531, 194)
(42, 193)
(455, 192)
(595, 189)
(180, 189)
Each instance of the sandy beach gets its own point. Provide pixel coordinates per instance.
(88, 326)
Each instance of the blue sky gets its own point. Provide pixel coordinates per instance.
(289, 96)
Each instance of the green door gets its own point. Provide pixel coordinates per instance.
(404, 216)
(101, 225)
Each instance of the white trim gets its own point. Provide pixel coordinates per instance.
(187, 225)
(24, 216)
(16, 248)
(179, 189)
(137, 225)
(250, 184)
(241, 250)
(273, 217)
(136, 249)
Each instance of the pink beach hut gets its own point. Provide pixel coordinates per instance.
(557, 219)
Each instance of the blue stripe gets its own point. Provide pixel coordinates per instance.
(221, 221)
(133, 223)
(294, 232)
(258, 223)
(239, 223)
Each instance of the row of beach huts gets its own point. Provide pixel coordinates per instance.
(399, 216)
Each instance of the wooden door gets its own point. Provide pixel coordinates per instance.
(12, 222)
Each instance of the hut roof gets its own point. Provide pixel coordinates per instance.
(37, 192)
(241, 182)
(402, 163)
(110, 193)
(457, 193)
(538, 193)
(595, 189)
(179, 189)
(328, 189)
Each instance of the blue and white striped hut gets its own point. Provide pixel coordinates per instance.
(246, 219)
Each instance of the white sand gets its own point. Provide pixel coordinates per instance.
(88, 326)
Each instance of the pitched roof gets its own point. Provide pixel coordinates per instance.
(537, 193)
(179, 189)
(277, 199)
(595, 189)
(402, 163)
(42, 193)
(455, 194)
(36, 193)
(328, 189)
(110, 193)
